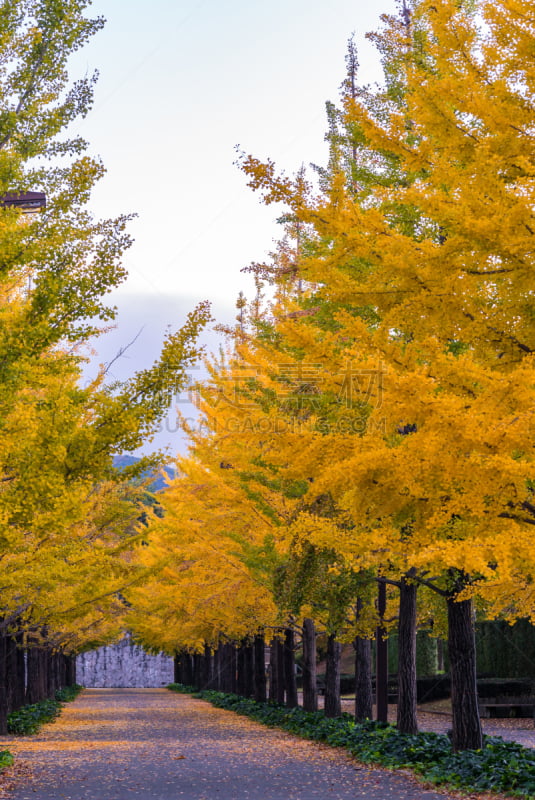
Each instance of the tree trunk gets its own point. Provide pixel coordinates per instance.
(259, 669)
(280, 671)
(233, 668)
(3, 688)
(19, 698)
(273, 671)
(12, 674)
(289, 668)
(37, 675)
(310, 687)
(184, 668)
(70, 679)
(197, 670)
(51, 673)
(466, 723)
(406, 714)
(187, 669)
(179, 667)
(240, 689)
(217, 668)
(223, 668)
(333, 704)
(32, 690)
(226, 665)
(207, 677)
(62, 670)
(363, 672)
(381, 669)
(42, 655)
(22, 666)
(248, 667)
(363, 679)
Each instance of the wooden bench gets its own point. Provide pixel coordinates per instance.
(507, 707)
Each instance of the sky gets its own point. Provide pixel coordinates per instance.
(182, 84)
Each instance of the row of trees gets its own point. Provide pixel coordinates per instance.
(67, 517)
(372, 423)
(32, 669)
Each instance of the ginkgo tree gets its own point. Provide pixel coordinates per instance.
(67, 518)
(440, 479)
(393, 373)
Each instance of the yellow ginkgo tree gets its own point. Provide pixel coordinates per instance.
(66, 516)
(439, 480)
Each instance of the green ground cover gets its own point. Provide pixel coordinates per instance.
(6, 759)
(29, 719)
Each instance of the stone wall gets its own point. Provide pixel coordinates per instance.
(123, 666)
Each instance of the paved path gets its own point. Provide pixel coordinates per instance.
(121, 744)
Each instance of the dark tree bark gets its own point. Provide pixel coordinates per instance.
(37, 674)
(11, 673)
(217, 668)
(363, 673)
(248, 666)
(259, 668)
(226, 666)
(273, 671)
(207, 676)
(381, 669)
(363, 679)
(233, 668)
(53, 671)
(406, 713)
(276, 668)
(184, 667)
(188, 669)
(310, 687)
(223, 668)
(290, 680)
(333, 704)
(280, 671)
(19, 695)
(70, 670)
(197, 670)
(240, 689)
(44, 669)
(177, 668)
(42, 657)
(466, 723)
(62, 670)
(22, 681)
(34, 693)
(51, 658)
(3, 688)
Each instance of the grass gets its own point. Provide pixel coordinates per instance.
(501, 767)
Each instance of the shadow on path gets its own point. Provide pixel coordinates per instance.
(119, 744)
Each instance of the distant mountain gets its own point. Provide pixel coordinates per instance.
(159, 481)
(124, 461)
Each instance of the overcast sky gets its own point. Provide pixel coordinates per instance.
(182, 82)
